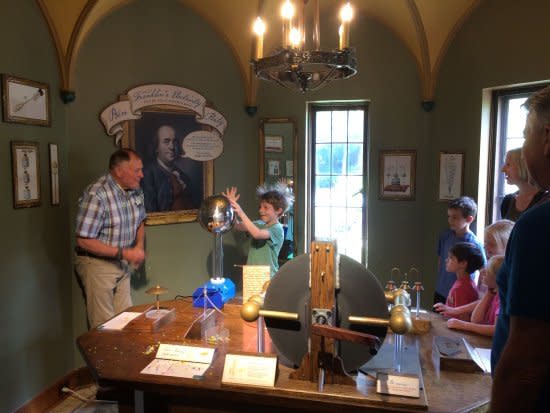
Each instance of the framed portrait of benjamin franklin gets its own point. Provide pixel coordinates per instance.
(174, 185)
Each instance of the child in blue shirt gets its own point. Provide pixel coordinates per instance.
(267, 234)
(461, 212)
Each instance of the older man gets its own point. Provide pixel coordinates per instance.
(110, 236)
(521, 345)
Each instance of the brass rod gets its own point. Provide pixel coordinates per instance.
(281, 315)
(371, 321)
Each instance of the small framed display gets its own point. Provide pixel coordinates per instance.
(273, 143)
(25, 101)
(54, 173)
(397, 175)
(26, 174)
(273, 167)
(451, 175)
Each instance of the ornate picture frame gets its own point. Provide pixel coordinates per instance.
(397, 175)
(25, 157)
(25, 101)
(451, 175)
(196, 178)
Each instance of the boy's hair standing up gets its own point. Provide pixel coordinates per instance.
(267, 234)
(461, 212)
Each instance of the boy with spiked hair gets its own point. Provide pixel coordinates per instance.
(267, 234)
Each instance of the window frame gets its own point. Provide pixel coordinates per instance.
(313, 109)
(500, 99)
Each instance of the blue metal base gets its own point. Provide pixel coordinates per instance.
(218, 291)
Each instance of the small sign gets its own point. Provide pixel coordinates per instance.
(119, 322)
(254, 278)
(185, 353)
(398, 384)
(273, 143)
(249, 370)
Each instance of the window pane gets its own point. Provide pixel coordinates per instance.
(339, 125)
(355, 191)
(339, 159)
(355, 159)
(338, 191)
(355, 125)
(322, 191)
(516, 118)
(322, 223)
(322, 126)
(338, 223)
(322, 159)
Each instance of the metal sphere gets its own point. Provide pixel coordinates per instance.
(250, 311)
(216, 214)
(400, 319)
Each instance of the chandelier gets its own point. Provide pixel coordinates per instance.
(294, 67)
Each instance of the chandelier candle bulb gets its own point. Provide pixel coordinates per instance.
(259, 30)
(346, 14)
(287, 12)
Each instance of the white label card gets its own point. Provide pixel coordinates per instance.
(249, 370)
(119, 322)
(185, 353)
(399, 385)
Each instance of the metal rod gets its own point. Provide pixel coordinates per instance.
(279, 314)
(370, 321)
(260, 333)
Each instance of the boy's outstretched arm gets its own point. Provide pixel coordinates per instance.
(246, 224)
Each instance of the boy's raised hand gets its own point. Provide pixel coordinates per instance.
(231, 194)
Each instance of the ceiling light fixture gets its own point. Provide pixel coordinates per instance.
(294, 67)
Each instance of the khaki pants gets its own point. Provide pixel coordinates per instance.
(106, 285)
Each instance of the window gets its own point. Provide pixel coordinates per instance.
(508, 120)
(337, 177)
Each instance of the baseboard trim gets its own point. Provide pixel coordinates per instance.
(52, 395)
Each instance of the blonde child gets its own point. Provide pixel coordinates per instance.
(495, 240)
(485, 314)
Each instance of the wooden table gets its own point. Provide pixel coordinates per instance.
(116, 358)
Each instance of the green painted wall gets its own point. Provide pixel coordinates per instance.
(160, 41)
(35, 311)
(153, 41)
(503, 43)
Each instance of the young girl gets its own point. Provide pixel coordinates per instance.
(495, 240)
(485, 314)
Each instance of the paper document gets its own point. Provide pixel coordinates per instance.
(118, 322)
(185, 353)
(481, 356)
(175, 368)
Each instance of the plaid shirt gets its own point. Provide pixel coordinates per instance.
(109, 213)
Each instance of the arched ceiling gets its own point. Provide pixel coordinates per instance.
(426, 27)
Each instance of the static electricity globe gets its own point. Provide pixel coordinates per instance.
(216, 214)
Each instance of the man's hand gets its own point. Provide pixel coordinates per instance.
(135, 256)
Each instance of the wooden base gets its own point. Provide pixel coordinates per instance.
(420, 325)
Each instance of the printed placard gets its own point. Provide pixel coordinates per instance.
(254, 278)
(398, 384)
(249, 370)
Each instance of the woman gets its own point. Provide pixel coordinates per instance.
(515, 170)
